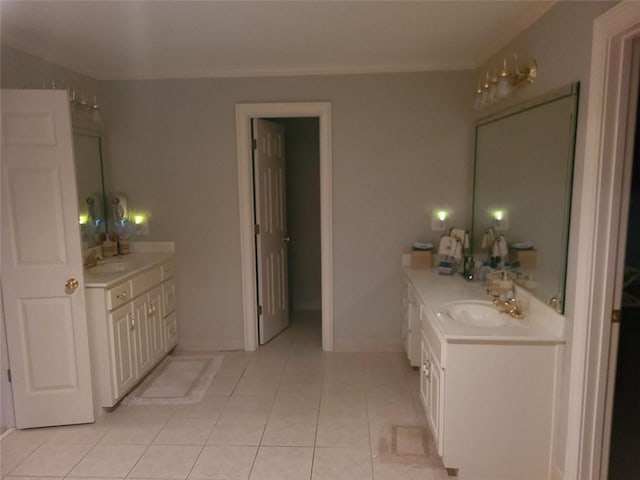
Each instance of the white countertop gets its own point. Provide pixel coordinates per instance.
(139, 262)
(540, 324)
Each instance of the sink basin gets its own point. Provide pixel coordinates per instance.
(475, 313)
(111, 267)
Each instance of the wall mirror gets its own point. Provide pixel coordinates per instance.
(522, 189)
(90, 182)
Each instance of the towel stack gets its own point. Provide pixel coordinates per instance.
(451, 249)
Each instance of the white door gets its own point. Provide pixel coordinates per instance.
(271, 239)
(42, 282)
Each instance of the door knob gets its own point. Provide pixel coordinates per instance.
(286, 239)
(71, 285)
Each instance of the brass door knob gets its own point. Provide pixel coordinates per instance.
(71, 285)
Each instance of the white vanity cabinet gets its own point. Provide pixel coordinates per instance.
(411, 325)
(432, 383)
(488, 393)
(132, 326)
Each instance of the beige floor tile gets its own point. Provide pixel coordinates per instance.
(348, 428)
(109, 461)
(240, 431)
(394, 471)
(166, 461)
(51, 460)
(133, 433)
(209, 407)
(89, 434)
(12, 452)
(291, 429)
(222, 386)
(279, 463)
(224, 463)
(264, 386)
(39, 478)
(185, 431)
(341, 464)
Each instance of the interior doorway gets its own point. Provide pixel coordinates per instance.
(286, 156)
(244, 115)
(624, 457)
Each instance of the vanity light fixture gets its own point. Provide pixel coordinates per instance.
(439, 220)
(500, 85)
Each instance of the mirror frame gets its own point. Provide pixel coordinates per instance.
(572, 90)
(99, 136)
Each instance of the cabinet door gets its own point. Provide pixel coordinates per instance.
(435, 401)
(424, 376)
(121, 324)
(171, 331)
(168, 297)
(156, 323)
(141, 331)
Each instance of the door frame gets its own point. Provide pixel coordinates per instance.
(596, 255)
(244, 113)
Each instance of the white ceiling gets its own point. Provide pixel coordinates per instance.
(184, 39)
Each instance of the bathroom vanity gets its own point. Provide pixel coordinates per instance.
(131, 319)
(488, 389)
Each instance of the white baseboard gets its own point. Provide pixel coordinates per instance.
(367, 345)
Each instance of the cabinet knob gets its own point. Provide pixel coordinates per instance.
(122, 295)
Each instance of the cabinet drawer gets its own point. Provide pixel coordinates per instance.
(118, 295)
(143, 282)
(167, 270)
(435, 342)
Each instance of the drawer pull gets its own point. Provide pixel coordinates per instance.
(122, 295)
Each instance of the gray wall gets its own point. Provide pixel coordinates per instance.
(561, 42)
(402, 144)
(302, 152)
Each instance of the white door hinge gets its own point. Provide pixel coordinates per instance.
(257, 229)
(259, 309)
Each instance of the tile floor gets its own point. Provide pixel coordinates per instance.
(286, 412)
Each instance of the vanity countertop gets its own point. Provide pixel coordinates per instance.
(540, 324)
(136, 263)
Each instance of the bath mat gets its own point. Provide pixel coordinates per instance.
(408, 445)
(178, 379)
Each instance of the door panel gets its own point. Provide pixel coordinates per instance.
(272, 241)
(41, 259)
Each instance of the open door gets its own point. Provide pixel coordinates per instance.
(42, 283)
(271, 228)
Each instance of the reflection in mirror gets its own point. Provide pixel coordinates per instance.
(90, 182)
(522, 191)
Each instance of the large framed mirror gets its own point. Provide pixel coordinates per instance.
(91, 189)
(522, 190)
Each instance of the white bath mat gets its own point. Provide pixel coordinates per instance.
(178, 379)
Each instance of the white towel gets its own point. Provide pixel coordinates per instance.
(499, 247)
(489, 238)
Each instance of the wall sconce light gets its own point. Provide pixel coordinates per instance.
(439, 220)
(500, 220)
(500, 85)
(141, 224)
